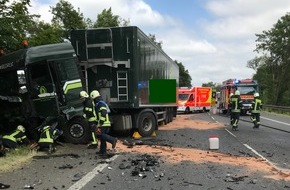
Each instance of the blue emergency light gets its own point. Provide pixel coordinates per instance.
(236, 81)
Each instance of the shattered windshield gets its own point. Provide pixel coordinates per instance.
(9, 83)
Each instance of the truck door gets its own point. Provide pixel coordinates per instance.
(42, 87)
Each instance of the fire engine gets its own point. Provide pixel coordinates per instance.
(195, 99)
(247, 88)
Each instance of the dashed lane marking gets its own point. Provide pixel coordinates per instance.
(276, 121)
(87, 178)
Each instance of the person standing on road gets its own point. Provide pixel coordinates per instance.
(16, 138)
(235, 109)
(255, 110)
(104, 124)
(90, 115)
(229, 107)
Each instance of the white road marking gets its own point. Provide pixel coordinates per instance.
(276, 121)
(87, 178)
(284, 171)
(230, 133)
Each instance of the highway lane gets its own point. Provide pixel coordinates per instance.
(271, 141)
(78, 168)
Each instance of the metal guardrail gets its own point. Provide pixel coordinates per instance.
(277, 109)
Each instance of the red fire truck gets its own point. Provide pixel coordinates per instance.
(247, 88)
(195, 99)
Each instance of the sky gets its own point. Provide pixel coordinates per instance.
(213, 39)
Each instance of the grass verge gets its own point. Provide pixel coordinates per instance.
(15, 159)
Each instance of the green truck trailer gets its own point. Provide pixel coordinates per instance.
(136, 78)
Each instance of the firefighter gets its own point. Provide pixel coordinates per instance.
(229, 106)
(16, 138)
(235, 109)
(255, 110)
(90, 115)
(48, 135)
(104, 124)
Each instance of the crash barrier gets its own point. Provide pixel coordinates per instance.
(277, 109)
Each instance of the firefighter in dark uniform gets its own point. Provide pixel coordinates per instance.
(229, 107)
(47, 138)
(104, 124)
(16, 138)
(256, 110)
(235, 109)
(90, 115)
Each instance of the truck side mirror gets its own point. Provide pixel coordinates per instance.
(23, 90)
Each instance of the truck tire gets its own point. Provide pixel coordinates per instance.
(146, 124)
(171, 115)
(187, 110)
(77, 131)
(167, 119)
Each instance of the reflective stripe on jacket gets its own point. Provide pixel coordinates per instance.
(103, 116)
(89, 110)
(16, 136)
(45, 137)
(256, 105)
(235, 103)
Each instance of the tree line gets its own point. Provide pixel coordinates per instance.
(272, 66)
(17, 24)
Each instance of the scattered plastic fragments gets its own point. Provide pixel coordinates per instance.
(4, 186)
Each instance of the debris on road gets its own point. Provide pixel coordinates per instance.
(4, 186)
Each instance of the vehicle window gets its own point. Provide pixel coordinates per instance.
(40, 78)
(9, 83)
(191, 98)
(182, 96)
(247, 90)
(67, 70)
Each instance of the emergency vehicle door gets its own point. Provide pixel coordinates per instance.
(42, 87)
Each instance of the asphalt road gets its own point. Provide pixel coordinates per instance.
(75, 167)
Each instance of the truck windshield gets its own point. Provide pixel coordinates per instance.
(183, 96)
(250, 90)
(9, 83)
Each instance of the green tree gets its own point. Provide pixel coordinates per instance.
(67, 17)
(212, 85)
(44, 33)
(275, 45)
(184, 77)
(107, 19)
(14, 22)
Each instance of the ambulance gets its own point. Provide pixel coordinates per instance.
(194, 99)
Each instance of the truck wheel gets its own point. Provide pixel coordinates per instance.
(146, 124)
(170, 114)
(187, 110)
(167, 119)
(77, 131)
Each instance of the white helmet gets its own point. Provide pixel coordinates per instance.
(237, 92)
(231, 94)
(94, 94)
(46, 128)
(84, 94)
(256, 94)
(21, 128)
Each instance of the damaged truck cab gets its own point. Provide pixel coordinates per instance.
(41, 82)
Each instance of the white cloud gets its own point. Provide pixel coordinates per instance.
(215, 50)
